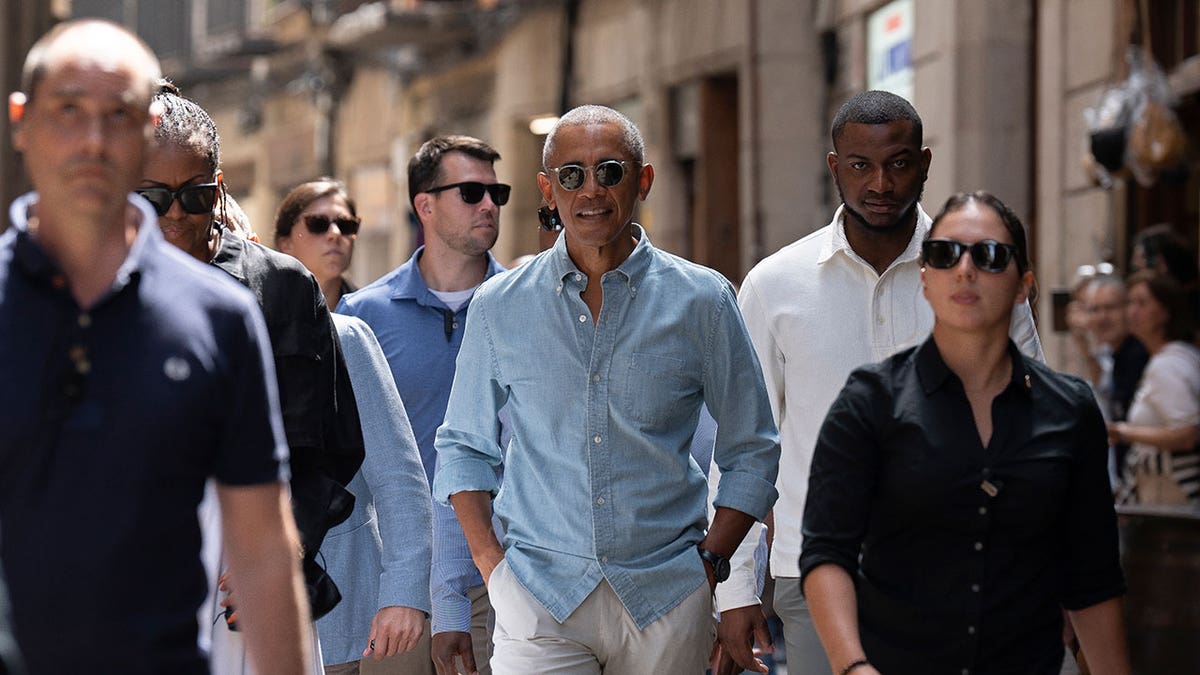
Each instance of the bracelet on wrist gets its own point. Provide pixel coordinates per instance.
(854, 665)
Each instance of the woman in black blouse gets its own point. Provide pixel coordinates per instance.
(958, 496)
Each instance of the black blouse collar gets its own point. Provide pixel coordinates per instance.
(934, 373)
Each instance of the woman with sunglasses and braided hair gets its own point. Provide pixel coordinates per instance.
(183, 181)
(959, 497)
(317, 224)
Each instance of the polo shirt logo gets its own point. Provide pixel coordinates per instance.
(176, 368)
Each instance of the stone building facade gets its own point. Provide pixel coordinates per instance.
(734, 97)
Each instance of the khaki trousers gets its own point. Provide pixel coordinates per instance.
(599, 636)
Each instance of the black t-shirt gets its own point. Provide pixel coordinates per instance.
(967, 553)
(111, 420)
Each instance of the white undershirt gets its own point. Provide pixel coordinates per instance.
(454, 299)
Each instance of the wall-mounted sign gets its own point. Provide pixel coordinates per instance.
(889, 48)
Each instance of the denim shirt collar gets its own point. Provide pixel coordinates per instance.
(632, 270)
(408, 284)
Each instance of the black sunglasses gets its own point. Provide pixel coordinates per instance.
(194, 199)
(988, 255)
(318, 223)
(608, 174)
(472, 191)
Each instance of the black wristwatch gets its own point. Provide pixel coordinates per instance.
(720, 564)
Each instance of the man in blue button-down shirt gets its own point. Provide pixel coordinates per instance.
(418, 312)
(603, 349)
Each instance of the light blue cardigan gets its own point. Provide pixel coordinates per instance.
(379, 557)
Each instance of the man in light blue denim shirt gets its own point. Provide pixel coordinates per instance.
(603, 349)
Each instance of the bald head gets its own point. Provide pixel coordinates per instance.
(96, 42)
(597, 115)
(85, 120)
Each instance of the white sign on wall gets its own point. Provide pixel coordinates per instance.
(889, 48)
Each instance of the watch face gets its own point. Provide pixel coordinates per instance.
(721, 570)
(720, 566)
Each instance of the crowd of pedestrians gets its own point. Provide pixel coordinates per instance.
(1138, 337)
(219, 456)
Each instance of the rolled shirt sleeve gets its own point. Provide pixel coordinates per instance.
(740, 589)
(467, 442)
(747, 444)
(454, 573)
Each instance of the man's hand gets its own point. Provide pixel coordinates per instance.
(394, 630)
(448, 645)
(227, 602)
(738, 631)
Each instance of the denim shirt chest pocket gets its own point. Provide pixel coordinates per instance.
(654, 387)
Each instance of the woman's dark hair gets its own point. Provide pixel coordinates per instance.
(1162, 242)
(304, 195)
(1010, 220)
(186, 124)
(1168, 292)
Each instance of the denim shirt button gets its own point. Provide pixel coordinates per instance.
(578, 276)
(596, 439)
(582, 318)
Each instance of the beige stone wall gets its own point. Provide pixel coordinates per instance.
(636, 55)
(973, 91)
(972, 86)
(1076, 221)
(528, 64)
(785, 142)
(368, 120)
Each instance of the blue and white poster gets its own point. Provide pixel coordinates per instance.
(889, 48)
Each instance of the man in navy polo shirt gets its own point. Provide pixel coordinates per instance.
(131, 374)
